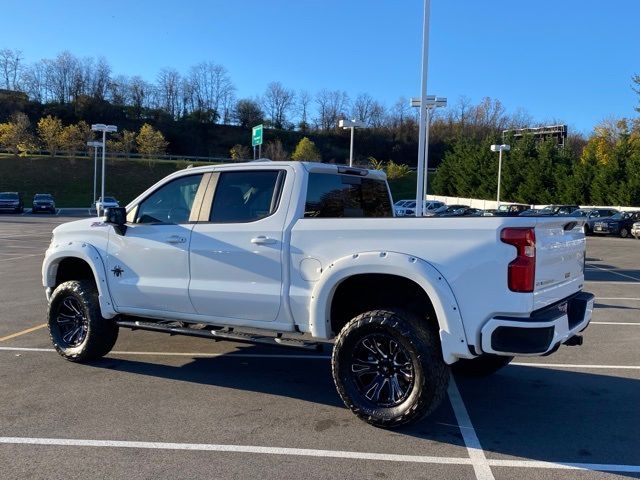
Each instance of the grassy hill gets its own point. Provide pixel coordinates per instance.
(70, 180)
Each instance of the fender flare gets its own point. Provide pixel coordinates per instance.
(91, 255)
(451, 328)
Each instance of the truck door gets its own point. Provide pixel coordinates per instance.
(148, 266)
(236, 257)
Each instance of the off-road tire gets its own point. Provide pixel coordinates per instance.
(482, 366)
(100, 334)
(418, 339)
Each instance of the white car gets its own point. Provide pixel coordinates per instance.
(108, 202)
(408, 209)
(309, 253)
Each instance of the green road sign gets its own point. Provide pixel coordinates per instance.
(256, 135)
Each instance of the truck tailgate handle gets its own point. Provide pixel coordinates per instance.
(262, 240)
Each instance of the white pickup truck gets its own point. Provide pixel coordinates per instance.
(297, 254)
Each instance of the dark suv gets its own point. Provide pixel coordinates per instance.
(593, 215)
(43, 202)
(11, 201)
(619, 224)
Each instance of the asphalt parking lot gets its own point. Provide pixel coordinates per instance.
(179, 407)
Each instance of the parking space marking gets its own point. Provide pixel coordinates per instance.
(606, 282)
(615, 273)
(476, 454)
(618, 298)
(208, 447)
(23, 332)
(614, 323)
(577, 366)
(22, 256)
(308, 357)
(307, 452)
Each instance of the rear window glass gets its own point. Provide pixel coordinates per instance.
(337, 196)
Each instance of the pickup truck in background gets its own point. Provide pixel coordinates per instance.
(300, 254)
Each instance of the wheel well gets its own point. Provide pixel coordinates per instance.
(72, 268)
(361, 293)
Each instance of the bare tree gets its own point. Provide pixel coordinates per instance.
(169, 91)
(212, 88)
(361, 109)
(10, 65)
(277, 102)
(32, 81)
(304, 100)
(60, 75)
(332, 105)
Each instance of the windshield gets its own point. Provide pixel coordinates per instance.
(42, 196)
(581, 213)
(8, 196)
(110, 199)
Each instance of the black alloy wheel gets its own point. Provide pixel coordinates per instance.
(72, 322)
(382, 370)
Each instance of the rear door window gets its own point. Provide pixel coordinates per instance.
(337, 196)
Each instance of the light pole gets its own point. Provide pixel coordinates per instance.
(500, 148)
(432, 102)
(423, 101)
(95, 146)
(351, 124)
(101, 127)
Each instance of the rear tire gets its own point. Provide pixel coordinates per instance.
(482, 366)
(77, 329)
(388, 367)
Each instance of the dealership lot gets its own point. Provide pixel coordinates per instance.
(167, 407)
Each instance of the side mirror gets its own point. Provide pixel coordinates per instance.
(117, 216)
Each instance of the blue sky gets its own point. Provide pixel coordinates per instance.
(560, 60)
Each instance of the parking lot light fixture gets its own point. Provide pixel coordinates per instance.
(101, 127)
(351, 124)
(96, 146)
(431, 103)
(500, 149)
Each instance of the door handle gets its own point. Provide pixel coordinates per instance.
(262, 240)
(173, 239)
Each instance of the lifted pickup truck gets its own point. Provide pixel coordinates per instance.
(297, 254)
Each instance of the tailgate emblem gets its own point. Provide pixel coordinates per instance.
(563, 307)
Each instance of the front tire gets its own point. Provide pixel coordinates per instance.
(388, 367)
(482, 366)
(624, 233)
(77, 329)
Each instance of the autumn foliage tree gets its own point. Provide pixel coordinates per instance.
(151, 142)
(306, 150)
(50, 133)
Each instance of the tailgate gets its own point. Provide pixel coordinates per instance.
(560, 255)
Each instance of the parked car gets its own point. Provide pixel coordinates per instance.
(635, 230)
(400, 205)
(559, 209)
(11, 201)
(592, 215)
(451, 211)
(409, 209)
(43, 202)
(108, 202)
(308, 253)
(535, 212)
(619, 224)
(509, 210)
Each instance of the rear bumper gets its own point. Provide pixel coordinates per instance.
(540, 333)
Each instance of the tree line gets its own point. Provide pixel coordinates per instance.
(21, 138)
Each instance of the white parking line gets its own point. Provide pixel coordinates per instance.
(577, 366)
(614, 323)
(306, 452)
(616, 273)
(22, 256)
(476, 454)
(605, 282)
(308, 357)
(618, 298)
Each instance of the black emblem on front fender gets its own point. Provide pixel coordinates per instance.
(117, 271)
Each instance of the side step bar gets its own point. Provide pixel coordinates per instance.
(224, 334)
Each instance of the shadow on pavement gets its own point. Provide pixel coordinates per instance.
(525, 412)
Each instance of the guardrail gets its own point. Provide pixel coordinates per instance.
(129, 156)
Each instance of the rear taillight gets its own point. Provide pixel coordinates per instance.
(522, 270)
